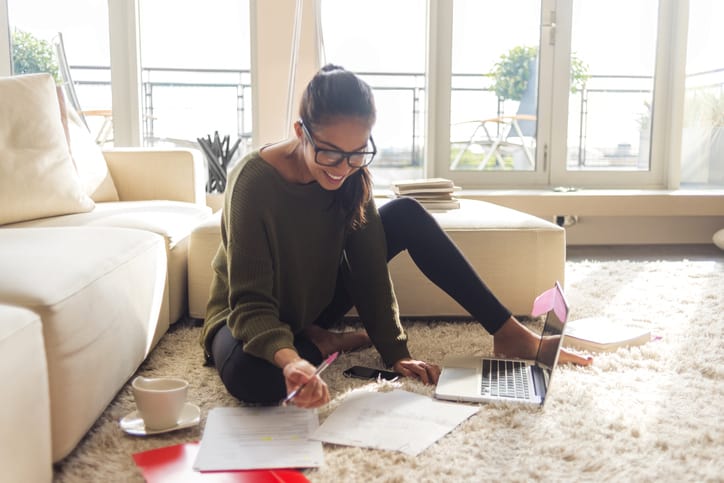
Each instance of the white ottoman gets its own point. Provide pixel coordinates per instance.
(203, 244)
(25, 415)
(516, 254)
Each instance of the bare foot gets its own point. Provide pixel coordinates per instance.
(513, 339)
(328, 342)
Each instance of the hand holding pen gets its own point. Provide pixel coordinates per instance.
(326, 363)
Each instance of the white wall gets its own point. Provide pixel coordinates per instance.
(270, 60)
(622, 217)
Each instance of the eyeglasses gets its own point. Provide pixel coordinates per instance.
(333, 157)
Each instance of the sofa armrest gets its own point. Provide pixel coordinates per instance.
(157, 174)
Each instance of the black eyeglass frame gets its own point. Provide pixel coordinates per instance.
(343, 155)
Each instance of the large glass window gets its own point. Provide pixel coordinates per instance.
(34, 28)
(195, 61)
(609, 110)
(549, 93)
(494, 84)
(384, 42)
(702, 154)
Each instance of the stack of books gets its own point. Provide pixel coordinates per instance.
(435, 194)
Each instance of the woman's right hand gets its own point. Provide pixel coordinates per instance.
(298, 371)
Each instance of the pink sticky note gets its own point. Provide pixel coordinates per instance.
(552, 298)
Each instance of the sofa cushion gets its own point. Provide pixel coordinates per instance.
(37, 176)
(174, 220)
(88, 158)
(25, 417)
(99, 292)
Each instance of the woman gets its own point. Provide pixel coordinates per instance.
(302, 242)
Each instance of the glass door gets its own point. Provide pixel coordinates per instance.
(499, 62)
(494, 92)
(613, 53)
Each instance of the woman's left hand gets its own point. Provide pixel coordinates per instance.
(424, 371)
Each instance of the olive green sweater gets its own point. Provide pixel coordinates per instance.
(279, 258)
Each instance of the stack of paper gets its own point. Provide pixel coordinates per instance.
(247, 438)
(432, 193)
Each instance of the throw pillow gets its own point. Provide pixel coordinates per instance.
(37, 176)
(87, 155)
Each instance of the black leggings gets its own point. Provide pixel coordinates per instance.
(408, 226)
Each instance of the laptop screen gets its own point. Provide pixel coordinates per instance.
(555, 320)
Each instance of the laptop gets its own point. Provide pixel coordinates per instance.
(483, 379)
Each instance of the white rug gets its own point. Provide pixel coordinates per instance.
(639, 414)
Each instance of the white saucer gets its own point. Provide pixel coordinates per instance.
(133, 424)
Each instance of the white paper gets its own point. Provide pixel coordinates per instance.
(246, 438)
(396, 420)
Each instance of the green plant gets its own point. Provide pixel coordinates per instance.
(513, 71)
(32, 55)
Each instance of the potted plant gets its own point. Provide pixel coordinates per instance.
(218, 154)
(33, 55)
(517, 66)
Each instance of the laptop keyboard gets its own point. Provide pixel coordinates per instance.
(505, 379)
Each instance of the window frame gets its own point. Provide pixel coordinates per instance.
(554, 62)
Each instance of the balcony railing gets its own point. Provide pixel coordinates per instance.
(183, 104)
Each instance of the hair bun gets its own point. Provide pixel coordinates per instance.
(331, 68)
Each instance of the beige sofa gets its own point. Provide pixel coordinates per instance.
(93, 263)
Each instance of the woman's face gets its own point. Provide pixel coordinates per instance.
(347, 134)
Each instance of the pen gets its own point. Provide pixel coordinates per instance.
(325, 364)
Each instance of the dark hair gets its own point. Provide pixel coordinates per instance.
(336, 92)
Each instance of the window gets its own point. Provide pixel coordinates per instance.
(702, 153)
(542, 94)
(86, 45)
(609, 111)
(195, 70)
(494, 93)
(611, 93)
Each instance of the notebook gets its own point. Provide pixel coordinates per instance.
(483, 379)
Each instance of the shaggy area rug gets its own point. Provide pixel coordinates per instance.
(646, 413)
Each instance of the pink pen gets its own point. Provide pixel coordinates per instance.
(325, 364)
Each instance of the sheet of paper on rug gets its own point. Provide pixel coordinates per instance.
(245, 438)
(395, 420)
(173, 464)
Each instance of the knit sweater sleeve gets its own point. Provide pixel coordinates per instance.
(371, 288)
(253, 309)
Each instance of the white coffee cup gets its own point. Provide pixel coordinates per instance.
(159, 400)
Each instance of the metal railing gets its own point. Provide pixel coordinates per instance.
(410, 85)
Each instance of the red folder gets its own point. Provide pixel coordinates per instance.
(175, 464)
